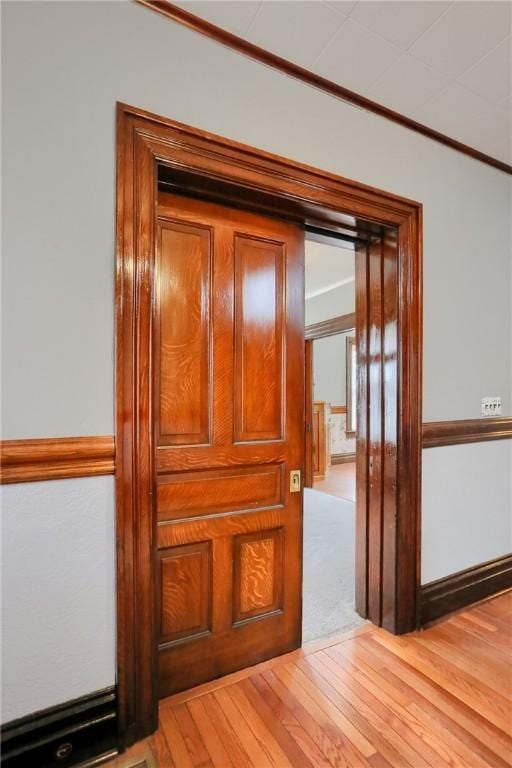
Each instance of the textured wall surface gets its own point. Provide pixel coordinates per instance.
(64, 67)
(58, 592)
(465, 485)
(329, 369)
(339, 301)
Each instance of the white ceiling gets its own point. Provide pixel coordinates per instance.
(327, 267)
(445, 64)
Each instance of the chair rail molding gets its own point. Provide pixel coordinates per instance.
(56, 458)
(439, 433)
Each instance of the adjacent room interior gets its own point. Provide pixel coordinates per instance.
(330, 492)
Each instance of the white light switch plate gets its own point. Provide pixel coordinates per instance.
(491, 406)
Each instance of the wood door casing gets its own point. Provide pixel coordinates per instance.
(152, 150)
(228, 404)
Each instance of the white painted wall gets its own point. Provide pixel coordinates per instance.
(58, 592)
(465, 485)
(329, 369)
(338, 301)
(64, 67)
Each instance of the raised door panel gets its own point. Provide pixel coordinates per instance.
(183, 334)
(258, 574)
(259, 331)
(205, 492)
(185, 592)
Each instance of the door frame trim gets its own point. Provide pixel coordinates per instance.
(211, 162)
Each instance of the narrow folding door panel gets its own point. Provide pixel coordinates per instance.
(375, 431)
(362, 427)
(309, 444)
(390, 426)
(229, 427)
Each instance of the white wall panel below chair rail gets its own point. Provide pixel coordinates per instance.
(466, 506)
(58, 592)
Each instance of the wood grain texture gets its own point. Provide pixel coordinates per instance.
(438, 433)
(465, 587)
(182, 494)
(258, 574)
(185, 591)
(54, 458)
(200, 163)
(258, 338)
(223, 568)
(183, 331)
(439, 698)
(204, 27)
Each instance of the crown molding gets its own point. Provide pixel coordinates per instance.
(197, 24)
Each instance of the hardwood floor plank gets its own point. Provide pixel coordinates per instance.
(375, 668)
(229, 738)
(218, 754)
(292, 751)
(161, 751)
(495, 676)
(344, 754)
(500, 606)
(322, 733)
(251, 745)
(193, 739)
(253, 719)
(466, 717)
(484, 630)
(351, 658)
(378, 761)
(376, 720)
(290, 722)
(462, 686)
(173, 736)
(439, 698)
(441, 747)
(342, 722)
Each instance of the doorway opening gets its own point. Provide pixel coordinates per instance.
(151, 444)
(329, 547)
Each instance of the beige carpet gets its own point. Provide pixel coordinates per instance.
(329, 566)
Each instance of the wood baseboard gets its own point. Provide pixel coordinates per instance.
(55, 458)
(465, 587)
(342, 458)
(80, 731)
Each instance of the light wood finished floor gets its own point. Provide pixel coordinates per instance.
(340, 480)
(440, 698)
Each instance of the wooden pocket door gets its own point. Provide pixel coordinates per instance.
(228, 427)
